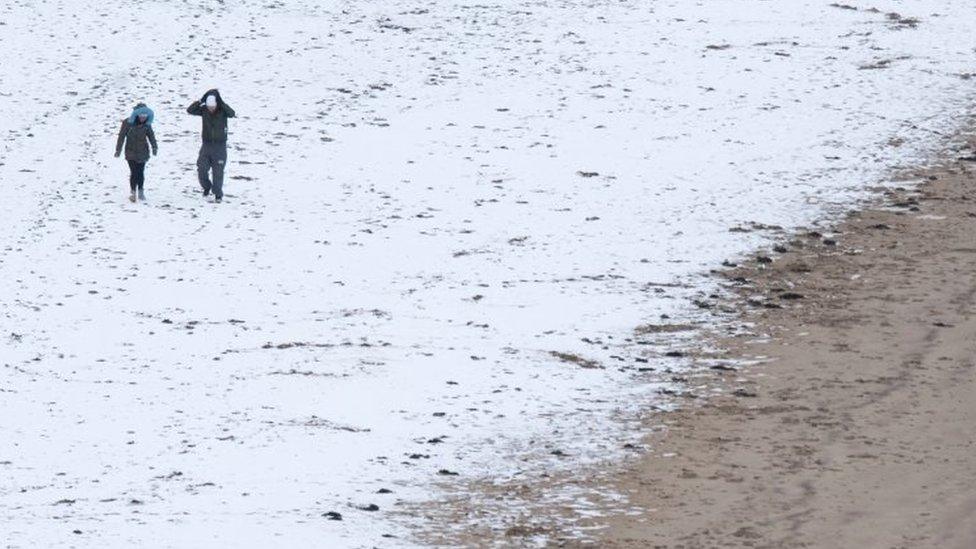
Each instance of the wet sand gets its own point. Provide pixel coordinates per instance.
(856, 427)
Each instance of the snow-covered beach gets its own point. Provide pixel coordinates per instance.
(444, 221)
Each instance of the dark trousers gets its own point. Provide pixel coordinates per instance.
(137, 174)
(213, 157)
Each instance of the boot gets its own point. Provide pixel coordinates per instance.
(142, 195)
(132, 197)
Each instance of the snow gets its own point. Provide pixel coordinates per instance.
(425, 201)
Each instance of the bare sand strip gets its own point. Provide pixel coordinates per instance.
(858, 428)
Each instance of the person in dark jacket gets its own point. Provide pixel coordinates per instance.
(137, 136)
(213, 152)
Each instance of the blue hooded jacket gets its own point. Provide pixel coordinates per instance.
(137, 138)
(139, 110)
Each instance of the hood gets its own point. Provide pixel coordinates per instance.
(216, 94)
(141, 109)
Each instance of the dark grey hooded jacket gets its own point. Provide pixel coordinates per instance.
(214, 123)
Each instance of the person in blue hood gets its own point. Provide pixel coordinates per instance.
(137, 136)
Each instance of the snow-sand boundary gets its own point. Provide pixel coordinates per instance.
(852, 426)
(830, 407)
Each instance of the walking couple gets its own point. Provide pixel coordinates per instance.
(137, 137)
